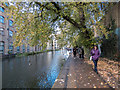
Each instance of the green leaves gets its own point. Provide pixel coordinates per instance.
(35, 22)
(30, 30)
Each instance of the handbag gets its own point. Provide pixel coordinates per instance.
(90, 58)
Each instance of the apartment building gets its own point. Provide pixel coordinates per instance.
(52, 44)
(6, 33)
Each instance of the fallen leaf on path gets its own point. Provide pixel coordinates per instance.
(84, 84)
(89, 77)
(113, 87)
(75, 80)
(101, 83)
(104, 86)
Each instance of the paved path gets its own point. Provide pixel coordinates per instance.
(78, 74)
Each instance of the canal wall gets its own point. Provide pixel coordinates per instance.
(7, 56)
(61, 80)
(24, 54)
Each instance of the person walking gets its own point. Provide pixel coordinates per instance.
(77, 50)
(80, 52)
(95, 55)
(74, 52)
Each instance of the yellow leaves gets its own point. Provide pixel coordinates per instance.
(94, 87)
(51, 4)
(104, 86)
(32, 32)
(106, 67)
(100, 26)
(98, 12)
(101, 83)
(40, 27)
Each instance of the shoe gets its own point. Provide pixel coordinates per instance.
(93, 69)
(96, 72)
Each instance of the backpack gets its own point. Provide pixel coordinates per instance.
(79, 51)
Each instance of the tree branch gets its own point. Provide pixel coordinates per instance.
(66, 17)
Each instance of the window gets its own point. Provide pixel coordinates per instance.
(18, 49)
(28, 48)
(1, 31)
(1, 9)
(1, 19)
(10, 22)
(23, 47)
(11, 47)
(10, 33)
(1, 47)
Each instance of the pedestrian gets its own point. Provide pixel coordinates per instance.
(95, 55)
(74, 52)
(82, 55)
(80, 52)
(68, 53)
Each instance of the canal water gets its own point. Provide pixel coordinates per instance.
(34, 71)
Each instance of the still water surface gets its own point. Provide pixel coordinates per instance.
(34, 71)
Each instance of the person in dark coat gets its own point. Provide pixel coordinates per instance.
(74, 51)
(82, 52)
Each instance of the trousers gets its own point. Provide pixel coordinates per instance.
(95, 64)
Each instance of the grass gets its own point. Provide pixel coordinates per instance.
(33, 53)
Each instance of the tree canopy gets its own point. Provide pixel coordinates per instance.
(36, 21)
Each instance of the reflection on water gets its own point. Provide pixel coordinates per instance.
(35, 71)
